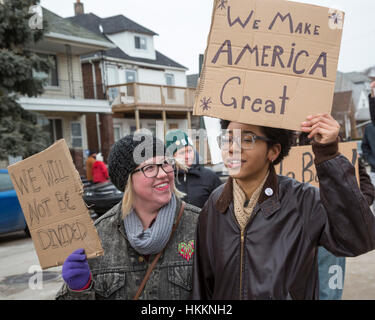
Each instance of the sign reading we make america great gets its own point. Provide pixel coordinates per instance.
(269, 62)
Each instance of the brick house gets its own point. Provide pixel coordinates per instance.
(359, 84)
(343, 110)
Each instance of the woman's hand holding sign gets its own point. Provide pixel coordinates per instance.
(76, 271)
(322, 127)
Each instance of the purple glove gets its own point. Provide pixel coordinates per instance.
(76, 271)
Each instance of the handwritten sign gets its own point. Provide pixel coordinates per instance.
(49, 190)
(299, 164)
(269, 62)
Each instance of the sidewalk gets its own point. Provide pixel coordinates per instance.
(360, 278)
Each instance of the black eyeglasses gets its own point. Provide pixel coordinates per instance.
(245, 141)
(152, 170)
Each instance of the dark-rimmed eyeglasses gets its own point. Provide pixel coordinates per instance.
(152, 170)
(245, 141)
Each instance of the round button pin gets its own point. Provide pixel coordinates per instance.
(269, 192)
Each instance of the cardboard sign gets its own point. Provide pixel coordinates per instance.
(49, 190)
(299, 164)
(269, 62)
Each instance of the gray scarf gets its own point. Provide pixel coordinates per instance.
(154, 239)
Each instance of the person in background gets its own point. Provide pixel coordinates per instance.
(331, 267)
(151, 226)
(99, 170)
(368, 140)
(258, 235)
(89, 163)
(196, 181)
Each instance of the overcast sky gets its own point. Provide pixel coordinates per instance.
(183, 26)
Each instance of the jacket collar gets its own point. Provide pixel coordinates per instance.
(268, 200)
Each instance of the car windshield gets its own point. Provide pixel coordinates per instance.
(5, 182)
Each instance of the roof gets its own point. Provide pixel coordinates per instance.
(370, 72)
(110, 25)
(161, 59)
(192, 80)
(342, 102)
(117, 24)
(59, 25)
(357, 77)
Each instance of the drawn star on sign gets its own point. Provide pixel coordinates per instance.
(222, 4)
(205, 103)
(335, 17)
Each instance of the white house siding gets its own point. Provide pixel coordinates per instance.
(151, 76)
(158, 77)
(125, 41)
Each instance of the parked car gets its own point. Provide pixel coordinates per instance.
(11, 215)
(101, 197)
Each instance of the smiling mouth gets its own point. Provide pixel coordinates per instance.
(162, 186)
(234, 163)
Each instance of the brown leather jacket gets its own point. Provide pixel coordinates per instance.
(276, 256)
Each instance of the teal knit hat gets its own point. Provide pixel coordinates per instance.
(175, 140)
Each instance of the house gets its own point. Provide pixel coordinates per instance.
(63, 105)
(343, 111)
(146, 89)
(359, 84)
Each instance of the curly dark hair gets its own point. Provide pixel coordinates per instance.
(282, 136)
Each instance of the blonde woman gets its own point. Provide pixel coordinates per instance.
(148, 238)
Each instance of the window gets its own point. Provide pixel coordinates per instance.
(112, 80)
(76, 135)
(53, 127)
(52, 77)
(117, 132)
(130, 76)
(169, 79)
(173, 126)
(140, 42)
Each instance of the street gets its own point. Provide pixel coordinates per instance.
(18, 258)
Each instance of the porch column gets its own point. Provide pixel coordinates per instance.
(137, 124)
(188, 119)
(165, 122)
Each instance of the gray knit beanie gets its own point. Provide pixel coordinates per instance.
(128, 153)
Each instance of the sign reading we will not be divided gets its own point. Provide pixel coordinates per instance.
(269, 62)
(49, 189)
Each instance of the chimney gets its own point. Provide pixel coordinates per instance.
(78, 8)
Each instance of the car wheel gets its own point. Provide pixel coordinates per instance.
(27, 231)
